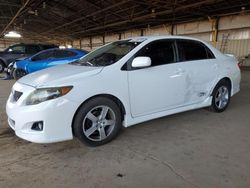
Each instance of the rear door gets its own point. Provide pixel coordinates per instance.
(201, 68)
(160, 86)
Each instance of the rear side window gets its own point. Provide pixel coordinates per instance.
(190, 50)
(43, 56)
(32, 49)
(161, 52)
(210, 54)
(45, 47)
(64, 53)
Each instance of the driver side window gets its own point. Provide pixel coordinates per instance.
(43, 56)
(161, 52)
(17, 49)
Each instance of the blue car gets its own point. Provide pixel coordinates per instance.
(45, 59)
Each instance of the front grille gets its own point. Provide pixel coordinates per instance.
(17, 95)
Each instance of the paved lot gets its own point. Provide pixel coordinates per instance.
(191, 149)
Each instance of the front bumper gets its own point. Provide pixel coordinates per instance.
(56, 115)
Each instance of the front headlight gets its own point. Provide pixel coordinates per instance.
(45, 94)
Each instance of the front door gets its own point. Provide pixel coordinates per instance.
(160, 86)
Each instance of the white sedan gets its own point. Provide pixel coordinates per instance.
(121, 84)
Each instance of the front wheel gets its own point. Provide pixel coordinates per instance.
(221, 96)
(97, 122)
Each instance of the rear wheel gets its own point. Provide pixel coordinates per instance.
(221, 96)
(18, 73)
(97, 122)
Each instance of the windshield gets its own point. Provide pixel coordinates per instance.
(108, 54)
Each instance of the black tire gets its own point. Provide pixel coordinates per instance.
(222, 85)
(81, 121)
(12, 69)
(18, 73)
(2, 66)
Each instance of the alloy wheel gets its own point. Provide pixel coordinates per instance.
(99, 123)
(221, 97)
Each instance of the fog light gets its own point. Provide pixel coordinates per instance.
(37, 126)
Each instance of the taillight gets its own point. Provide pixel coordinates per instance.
(238, 64)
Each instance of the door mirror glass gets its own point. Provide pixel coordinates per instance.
(139, 62)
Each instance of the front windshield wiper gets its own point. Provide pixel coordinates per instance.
(87, 62)
(82, 63)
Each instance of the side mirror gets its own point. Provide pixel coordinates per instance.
(139, 62)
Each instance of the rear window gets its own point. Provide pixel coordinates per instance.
(45, 47)
(32, 49)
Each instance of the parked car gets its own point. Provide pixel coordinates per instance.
(10, 69)
(20, 50)
(121, 84)
(46, 59)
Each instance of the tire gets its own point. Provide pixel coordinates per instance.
(2, 66)
(97, 122)
(12, 72)
(18, 73)
(221, 96)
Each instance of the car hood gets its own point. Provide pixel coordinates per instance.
(59, 75)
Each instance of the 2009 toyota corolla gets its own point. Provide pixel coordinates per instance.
(121, 84)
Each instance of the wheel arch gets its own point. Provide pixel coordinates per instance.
(109, 96)
(227, 79)
(3, 61)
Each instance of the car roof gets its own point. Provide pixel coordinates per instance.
(70, 49)
(36, 44)
(156, 37)
(148, 39)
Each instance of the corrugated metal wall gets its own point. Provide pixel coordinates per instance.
(239, 48)
(238, 28)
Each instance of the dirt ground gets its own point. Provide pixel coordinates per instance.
(192, 149)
